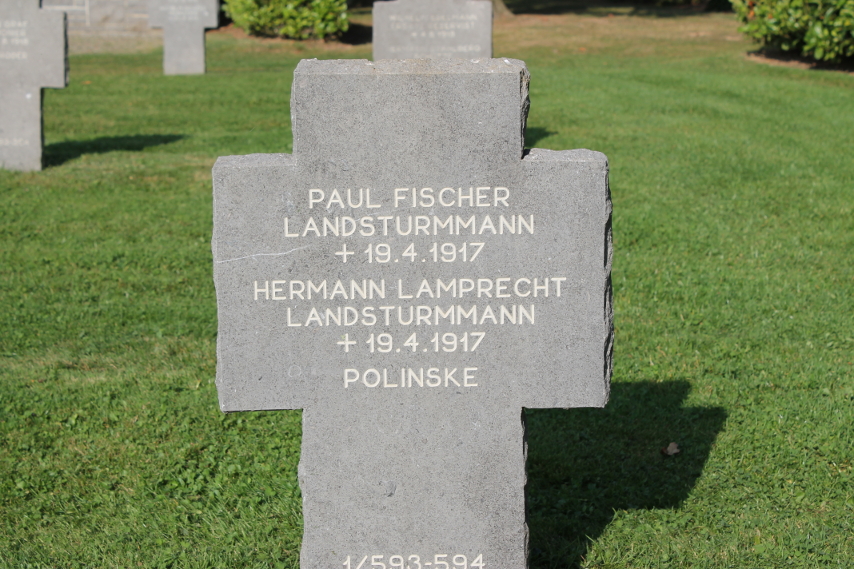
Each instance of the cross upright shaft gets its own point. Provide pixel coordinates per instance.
(33, 55)
(476, 283)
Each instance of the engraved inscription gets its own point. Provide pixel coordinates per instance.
(439, 560)
(435, 29)
(184, 11)
(460, 310)
(13, 40)
(411, 377)
(433, 26)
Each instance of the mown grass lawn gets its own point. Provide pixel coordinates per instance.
(733, 189)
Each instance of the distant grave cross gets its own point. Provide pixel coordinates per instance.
(184, 23)
(33, 55)
(477, 284)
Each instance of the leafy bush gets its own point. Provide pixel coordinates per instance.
(820, 29)
(297, 19)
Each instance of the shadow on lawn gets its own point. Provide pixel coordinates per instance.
(534, 134)
(585, 463)
(600, 7)
(775, 56)
(61, 152)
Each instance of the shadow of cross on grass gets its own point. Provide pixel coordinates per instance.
(534, 134)
(599, 7)
(585, 463)
(59, 153)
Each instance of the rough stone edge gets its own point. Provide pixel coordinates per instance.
(609, 290)
(524, 84)
(250, 161)
(408, 66)
(584, 155)
(65, 50)
(578, 155)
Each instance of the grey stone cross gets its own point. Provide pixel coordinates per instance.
(33, 55)
(416, 29)
(479, 286)
(183, 23)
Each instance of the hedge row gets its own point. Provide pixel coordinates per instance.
(297, 19)
(820, 29)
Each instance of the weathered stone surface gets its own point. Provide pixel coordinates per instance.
(413, 441)
(33, 54)
(421, 29)
(183, 23)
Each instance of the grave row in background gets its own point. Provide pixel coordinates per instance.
(34, 52)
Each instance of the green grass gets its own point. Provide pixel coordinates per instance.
(733, 189)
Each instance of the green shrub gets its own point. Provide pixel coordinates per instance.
(820, 29)
(297, 19)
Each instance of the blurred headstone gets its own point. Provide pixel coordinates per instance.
(33, 55)
(421, 29)
(184, 23)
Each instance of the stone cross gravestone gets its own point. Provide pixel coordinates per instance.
(33, 55)
(412, 280)
(421, 29)
(183, 23)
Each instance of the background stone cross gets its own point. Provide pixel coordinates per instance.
(33, 55)
(412, 280)
(183, 23)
